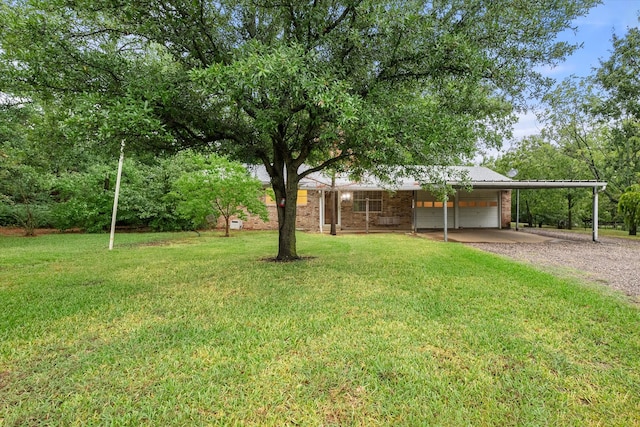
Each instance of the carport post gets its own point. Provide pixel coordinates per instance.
(444, 205)
(517, 208)
(594, 221)
(366, 222)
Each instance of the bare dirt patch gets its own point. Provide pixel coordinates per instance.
(16, 231)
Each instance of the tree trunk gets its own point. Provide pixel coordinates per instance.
(286, 193)
(570, 206)
(226, 226)
(633, 230)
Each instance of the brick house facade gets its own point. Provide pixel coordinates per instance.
(388, 211)
(482, 200)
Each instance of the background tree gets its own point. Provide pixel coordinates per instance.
(535, 158)
(629, 207)
(85, 199)
(596, 119)
(619, 79)
(25, 181)
(392, 83)
(217, 187)
(570, 125)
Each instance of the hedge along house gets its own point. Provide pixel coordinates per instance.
(482, 200)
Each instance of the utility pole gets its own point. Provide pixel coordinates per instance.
(115, 198)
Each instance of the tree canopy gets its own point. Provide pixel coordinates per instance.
(629, 207)
(365, 83)
(535, 158)
(216, 187)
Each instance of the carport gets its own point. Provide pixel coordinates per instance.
(597, 186)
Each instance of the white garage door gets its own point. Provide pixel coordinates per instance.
(430, 212)
(478, 209)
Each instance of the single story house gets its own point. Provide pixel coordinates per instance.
(407, 206)
(481, 200)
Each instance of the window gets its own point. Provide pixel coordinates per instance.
(477, 204)
(360, 201)
(302, 199)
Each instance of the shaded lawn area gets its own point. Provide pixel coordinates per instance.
(172, 329)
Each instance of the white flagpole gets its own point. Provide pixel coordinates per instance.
(115, 199)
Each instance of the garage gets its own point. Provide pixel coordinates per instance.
(478, 209)
(429, 211)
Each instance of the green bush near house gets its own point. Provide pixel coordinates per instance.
(174, 329)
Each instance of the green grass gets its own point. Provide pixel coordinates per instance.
(172, 329)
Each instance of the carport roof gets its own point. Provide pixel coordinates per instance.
(538, 184)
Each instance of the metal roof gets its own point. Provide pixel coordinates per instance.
(539, 184)
(479, 177)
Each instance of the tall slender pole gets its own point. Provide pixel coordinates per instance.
(517, 209)
(115, 198)
(594, 221)
(320, 213)
(366, 221)
(444, 205)
(334, 214)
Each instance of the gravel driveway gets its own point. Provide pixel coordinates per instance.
(612, 261)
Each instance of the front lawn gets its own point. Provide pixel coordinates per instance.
(174, 329)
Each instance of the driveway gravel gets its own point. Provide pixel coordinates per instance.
(614, 262)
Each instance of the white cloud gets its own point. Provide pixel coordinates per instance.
(527, 125)
(560, 69)
(618, 14)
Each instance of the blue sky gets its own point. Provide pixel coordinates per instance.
(594, 31)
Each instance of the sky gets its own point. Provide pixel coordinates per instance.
(594, 31)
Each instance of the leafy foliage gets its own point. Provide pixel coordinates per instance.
(85, 199)
(365, 83)
(629, 207)
(24, 180)
(535, 158)
(215, 186)
(596, 120)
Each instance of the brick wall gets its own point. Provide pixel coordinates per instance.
(505, 221)
(307, 217)
(396, 204)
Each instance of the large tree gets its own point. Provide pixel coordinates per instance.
(597, 119)
(619, 78)
(373, 84)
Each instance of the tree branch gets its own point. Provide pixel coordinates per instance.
(325, 164)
